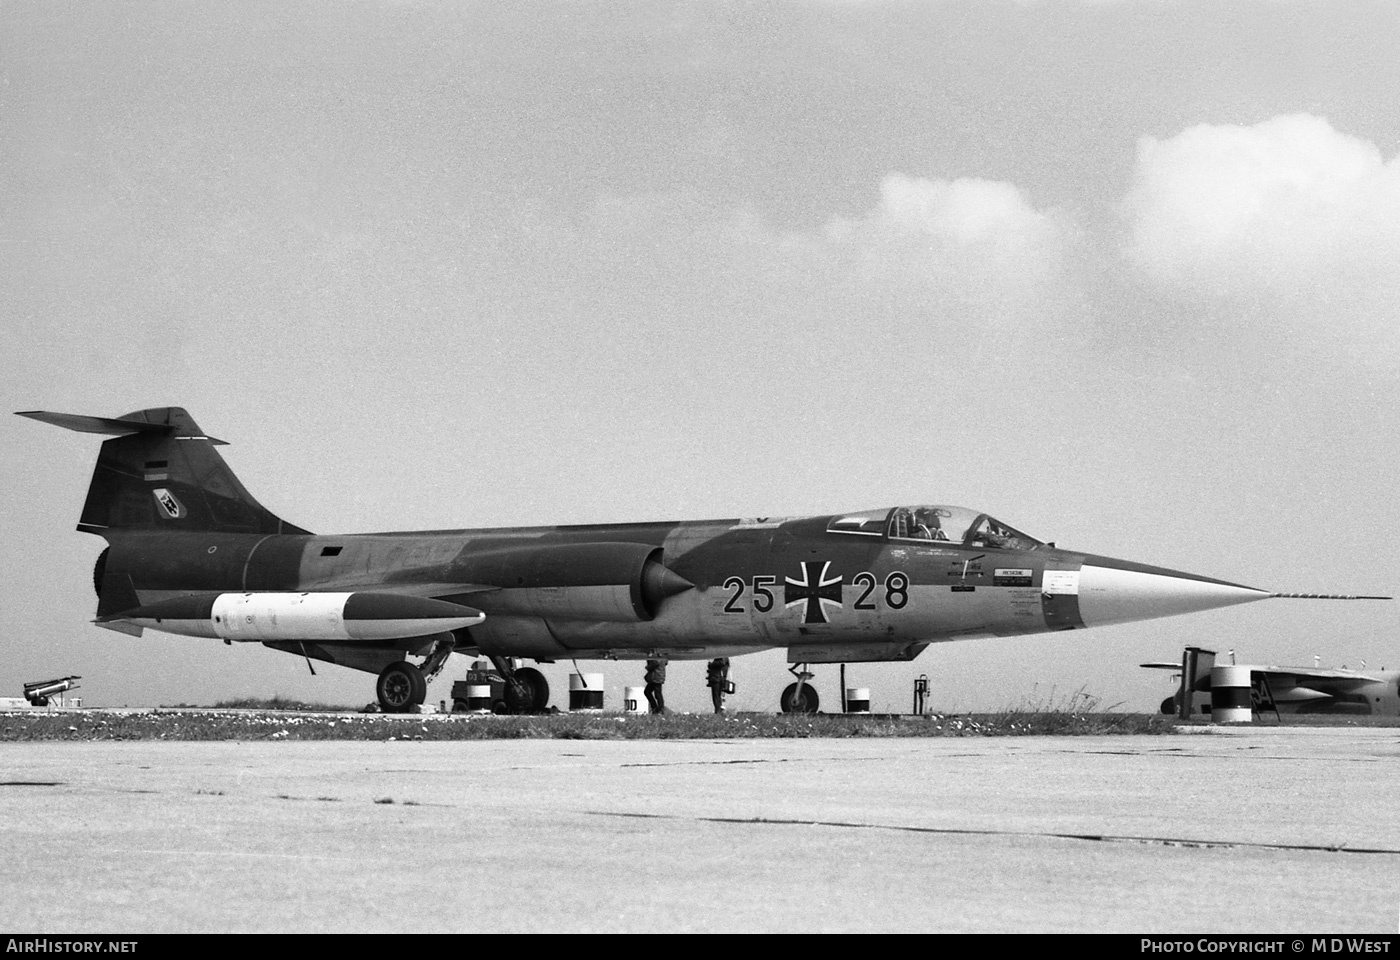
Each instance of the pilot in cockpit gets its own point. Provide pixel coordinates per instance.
(996, 535)
(926, 525)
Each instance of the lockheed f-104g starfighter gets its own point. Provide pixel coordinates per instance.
(190, 551)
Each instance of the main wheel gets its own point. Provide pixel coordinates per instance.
(527, 691)
(401, 686)
(541, 688)
(806, 703)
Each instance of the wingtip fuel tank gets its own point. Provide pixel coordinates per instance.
(302, 616)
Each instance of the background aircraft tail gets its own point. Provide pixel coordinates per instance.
(161, 472)
(1196, 664)
(1194, 695)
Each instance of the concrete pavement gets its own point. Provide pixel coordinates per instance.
(1226, 830)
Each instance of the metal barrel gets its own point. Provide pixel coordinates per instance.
(479, 698)
(857, 699)
(1230, 695)
(585, 691)
(634, 700)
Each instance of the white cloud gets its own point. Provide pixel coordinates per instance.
(965, 255)
(967, 248)
(962, 212)
(1284, 206)
(950, 218)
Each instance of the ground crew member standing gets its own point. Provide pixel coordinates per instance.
(717, 677)
(655, 677)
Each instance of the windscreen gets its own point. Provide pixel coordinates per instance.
(937, 524)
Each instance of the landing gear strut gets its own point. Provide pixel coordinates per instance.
(442, 648)
(401, 687)
(799, 697)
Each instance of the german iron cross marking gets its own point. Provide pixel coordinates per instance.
(814, 589)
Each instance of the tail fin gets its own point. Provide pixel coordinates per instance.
(1196, 665)
(162, 473)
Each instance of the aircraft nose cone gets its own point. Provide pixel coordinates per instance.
(1120, 591)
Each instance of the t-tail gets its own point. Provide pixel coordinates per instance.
(161, 472)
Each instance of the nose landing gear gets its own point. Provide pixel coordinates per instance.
(800, 697)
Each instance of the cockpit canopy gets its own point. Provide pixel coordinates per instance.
(953, 525)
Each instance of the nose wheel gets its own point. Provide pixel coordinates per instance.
(799, 697)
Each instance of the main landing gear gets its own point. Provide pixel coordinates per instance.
(402, 686)
(526, 691)
(799, 697)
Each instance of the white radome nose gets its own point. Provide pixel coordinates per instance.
(1118, 592)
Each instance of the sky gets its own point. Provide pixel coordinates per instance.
(1125, 275)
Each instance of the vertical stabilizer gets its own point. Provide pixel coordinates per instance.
(161, 472)
(1196, 664)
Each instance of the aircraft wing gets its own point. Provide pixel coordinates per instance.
(1332, 677)
(1290, 676)
(1302, 685)
(434, 591)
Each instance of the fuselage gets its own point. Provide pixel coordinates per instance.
(846, 587)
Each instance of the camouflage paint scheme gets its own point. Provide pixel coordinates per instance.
(878, 585)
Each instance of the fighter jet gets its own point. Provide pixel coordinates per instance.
(191, 552)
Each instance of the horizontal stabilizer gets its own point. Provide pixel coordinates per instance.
(112, 426)
(82, 424)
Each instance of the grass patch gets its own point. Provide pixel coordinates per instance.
(236, 724)
(278, 702)
(1076, 714)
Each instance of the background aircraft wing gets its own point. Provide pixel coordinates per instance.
(1299, 685)
(1335, 678)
